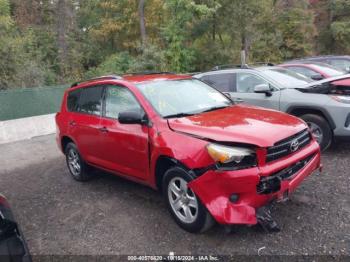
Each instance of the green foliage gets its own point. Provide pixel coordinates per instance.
(340, 25)
(296, 26)
(116, 64)
(176, 33)
(103, 36)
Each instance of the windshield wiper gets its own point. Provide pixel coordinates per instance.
(179, 115)
(213, 109)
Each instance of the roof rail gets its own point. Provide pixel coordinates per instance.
(150, 73)
(245, 66)
(228, 66)
(97, 78)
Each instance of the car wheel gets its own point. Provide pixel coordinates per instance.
(320, 129)
(77, 167)
(183, 204)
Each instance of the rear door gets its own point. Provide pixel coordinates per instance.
(222, 82)
(84, 121)
(244, 85)
(126, 147)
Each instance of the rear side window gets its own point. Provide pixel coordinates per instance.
(119, 99)
(90, 101)
(222, 82)
(73, 100)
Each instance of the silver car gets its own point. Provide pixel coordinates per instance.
(323, 106)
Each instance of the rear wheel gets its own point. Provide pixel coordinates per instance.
(77, 167)
(320, 129)
(185, 207)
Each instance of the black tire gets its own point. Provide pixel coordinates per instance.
(203, 220)
(322, 124)
(84, 173)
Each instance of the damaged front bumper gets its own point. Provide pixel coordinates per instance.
(233, 197)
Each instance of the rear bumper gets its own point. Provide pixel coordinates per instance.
(214, 188)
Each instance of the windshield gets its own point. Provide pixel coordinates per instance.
(176, 98)
(329, 70)
(286, 78)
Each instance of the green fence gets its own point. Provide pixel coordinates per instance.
(19, 103)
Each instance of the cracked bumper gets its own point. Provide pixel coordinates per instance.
(215, 187)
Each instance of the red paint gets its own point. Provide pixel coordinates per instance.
(344, 82)
(241, 122)
(132, 151)
(3, 202)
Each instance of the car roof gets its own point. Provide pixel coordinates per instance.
(133, 78)
(315, 58)
(234, 70)
(142, 78)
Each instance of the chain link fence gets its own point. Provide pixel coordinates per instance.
(19, 103)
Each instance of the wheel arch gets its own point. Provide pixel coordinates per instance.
(65, 140)
(302, 110)
(163, 164)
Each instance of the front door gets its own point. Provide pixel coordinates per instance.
(126, 148)
(244, 91)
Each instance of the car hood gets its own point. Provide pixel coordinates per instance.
(240, 124)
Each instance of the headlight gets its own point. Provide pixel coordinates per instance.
(341, 99)
(232, 157)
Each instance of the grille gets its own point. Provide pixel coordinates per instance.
(288, 146)
(271, 184)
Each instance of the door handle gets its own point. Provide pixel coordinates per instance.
(72, 123)
(238, 100)
(103, 129)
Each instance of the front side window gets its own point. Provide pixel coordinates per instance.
(90, 101)
(246, 82)
(119, 99)
(180, 97)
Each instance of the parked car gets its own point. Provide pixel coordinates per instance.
(341, 62)
(13, 247)
(316, 71)
(212, 159)
(323, 106)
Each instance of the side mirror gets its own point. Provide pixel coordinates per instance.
(317, 77)
(131, 117)
(263, 89)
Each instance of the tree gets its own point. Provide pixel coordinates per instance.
(296, 24)
(177, 31)
(242, 18)
(340, 26)
(142, 22)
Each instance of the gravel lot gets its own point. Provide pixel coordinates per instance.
(109, 215)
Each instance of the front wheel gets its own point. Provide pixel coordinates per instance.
(320, 129)
(184, 206)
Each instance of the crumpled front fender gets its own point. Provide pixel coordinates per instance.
(214, 188)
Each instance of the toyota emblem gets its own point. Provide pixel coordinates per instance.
(294, 146)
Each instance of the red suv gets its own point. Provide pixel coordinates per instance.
(212, 159)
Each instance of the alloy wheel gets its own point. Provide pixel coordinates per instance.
(182, 200)
(74, 162)
(316, 131)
